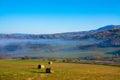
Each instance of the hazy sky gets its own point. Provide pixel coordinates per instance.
(56, 16)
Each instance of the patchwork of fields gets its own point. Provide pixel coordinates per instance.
(27, 70)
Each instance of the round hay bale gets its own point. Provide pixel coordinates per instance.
(41, 66)
(50, 62)
(49, 70)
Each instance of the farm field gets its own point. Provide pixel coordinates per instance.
(27, 70)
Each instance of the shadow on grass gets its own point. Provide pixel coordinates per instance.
(37, 71)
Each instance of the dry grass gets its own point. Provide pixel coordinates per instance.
(27, 70)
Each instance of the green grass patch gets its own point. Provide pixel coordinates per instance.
(27, 70)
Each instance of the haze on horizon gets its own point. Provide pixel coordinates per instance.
(57, 16)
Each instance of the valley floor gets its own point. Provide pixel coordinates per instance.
(27, 70)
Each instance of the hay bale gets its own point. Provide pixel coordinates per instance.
(50, 62)
(41, 66)
(49, 70)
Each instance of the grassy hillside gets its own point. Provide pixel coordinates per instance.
(26, 70)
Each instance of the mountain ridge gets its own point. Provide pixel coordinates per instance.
(73, 44)
(67, 35)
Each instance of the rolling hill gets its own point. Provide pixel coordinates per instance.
(62, 45)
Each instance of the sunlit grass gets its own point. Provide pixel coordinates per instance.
(27, 70)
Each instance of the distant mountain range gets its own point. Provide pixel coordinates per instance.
(68, 35)
(111, 38)
(108, 27)
(71, 44)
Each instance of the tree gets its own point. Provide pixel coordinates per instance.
(25, 58)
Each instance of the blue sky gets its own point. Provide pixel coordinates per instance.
(56, 16)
